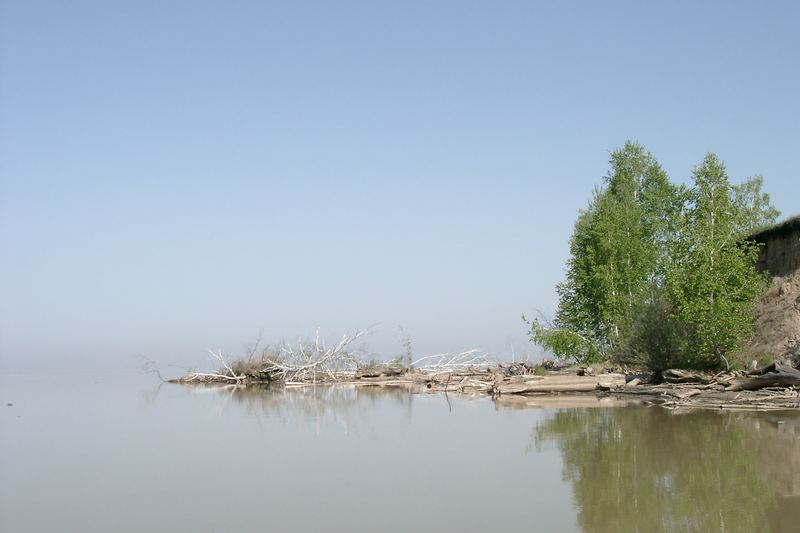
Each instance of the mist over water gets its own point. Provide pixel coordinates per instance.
(124, 453)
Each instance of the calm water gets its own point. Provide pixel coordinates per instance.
(122, 454)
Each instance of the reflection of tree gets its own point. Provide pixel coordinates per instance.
(647, 469)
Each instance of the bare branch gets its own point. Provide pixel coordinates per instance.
(448, 362)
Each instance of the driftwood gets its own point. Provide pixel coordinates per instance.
(774, 375)
(460, 384)
(682, 394)
(560, 383)
(675, 375)
(312, 363)
(307, 361)
(770, 388)
(448, 362)
(379, 371)
(762, 400)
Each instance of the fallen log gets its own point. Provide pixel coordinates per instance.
(379, 371)
(763, 370)
(762, 400)
(676, 375)
(560, 384)
(682, 394)
(780, 375)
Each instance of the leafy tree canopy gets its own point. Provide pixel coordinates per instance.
(645, 247)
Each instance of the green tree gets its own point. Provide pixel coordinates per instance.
(659, 274)
(753, 207)
(617, 253)
(712, 282)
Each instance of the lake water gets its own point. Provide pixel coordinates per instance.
(121, 453)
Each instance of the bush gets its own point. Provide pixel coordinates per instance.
(656, 341)
(567, 345)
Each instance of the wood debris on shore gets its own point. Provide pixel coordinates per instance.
(472, 372)
(773, 387)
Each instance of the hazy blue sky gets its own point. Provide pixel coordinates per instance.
(178, 175)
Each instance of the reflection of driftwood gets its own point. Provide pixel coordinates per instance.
(775, 375)
(762, 400)
(560, 383)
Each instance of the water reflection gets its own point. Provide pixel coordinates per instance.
(649, 469)
(381, 459)
(346, 406)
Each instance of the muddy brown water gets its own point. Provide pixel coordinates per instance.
(119, 453)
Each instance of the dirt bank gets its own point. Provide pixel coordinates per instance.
(777, 326)
(777, 313)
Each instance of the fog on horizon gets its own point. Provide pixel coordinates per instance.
(189, 176)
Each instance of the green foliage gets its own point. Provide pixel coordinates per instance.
(565, 344)
(712, 282)
(583, 305)
(618, 250)
(657, 341)
(753, 209)
(659, 274)
(765, 359)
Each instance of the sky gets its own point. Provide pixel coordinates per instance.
(184, 175)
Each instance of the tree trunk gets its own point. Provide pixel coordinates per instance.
(561, 384)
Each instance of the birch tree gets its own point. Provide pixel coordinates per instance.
(616, 256)
(712, 281)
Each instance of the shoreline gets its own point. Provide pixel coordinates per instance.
(772, 388)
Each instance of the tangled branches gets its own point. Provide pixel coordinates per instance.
(306, 361)
(449, 362)
(312, 362)
(226, 373)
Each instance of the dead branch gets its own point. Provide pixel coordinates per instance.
(226, 374)
(448, 362)
(313, 362)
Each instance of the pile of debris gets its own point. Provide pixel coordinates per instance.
(772, 387)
